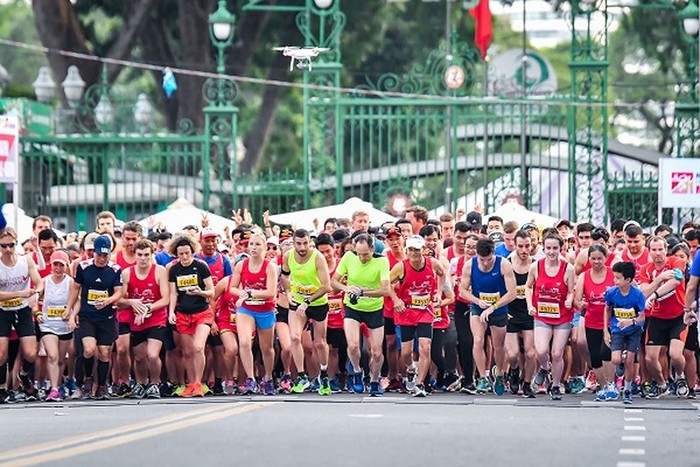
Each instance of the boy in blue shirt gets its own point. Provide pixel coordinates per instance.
(624, 321)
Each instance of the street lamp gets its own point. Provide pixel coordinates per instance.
(691, 21)
(73, 86)
(323, 4)
(222, 25)
(44, 86)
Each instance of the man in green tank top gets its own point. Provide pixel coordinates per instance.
(306, 280)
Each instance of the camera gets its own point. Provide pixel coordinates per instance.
(353, 298)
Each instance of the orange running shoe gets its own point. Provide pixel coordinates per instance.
(190, 390)
(198, 391)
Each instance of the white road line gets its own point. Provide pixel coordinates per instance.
(635, 428)
(368, 415)
(634, 419)
(634, 438)
(632, 452)
(633, 410)
(631, 464)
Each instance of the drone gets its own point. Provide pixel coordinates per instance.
(302, 55)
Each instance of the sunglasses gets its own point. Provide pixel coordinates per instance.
(58, 263)
(271, 247)
(529, 226)
(8, 245)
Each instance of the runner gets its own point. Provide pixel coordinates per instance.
(255, 283)
(549, 294)
(191, 288)
(395, 254)
(282, 318)
(520, 323)
(420, 281)
(146, 298)
(305, 275)
(488, 283)
(366, 283)
(97, 288)
(635, 251)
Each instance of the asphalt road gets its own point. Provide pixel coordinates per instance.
(349, 430)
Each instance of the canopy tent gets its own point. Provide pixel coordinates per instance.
(182, 213)
(304, 219)
(514, 211)
(24, 222)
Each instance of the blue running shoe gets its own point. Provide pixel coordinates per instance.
(499, 386)
(627, 397)
(600, 395)
(358, 383)
(335, 385)
(375, 390)
(611, 393)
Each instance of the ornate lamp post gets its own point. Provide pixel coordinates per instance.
(688, 109)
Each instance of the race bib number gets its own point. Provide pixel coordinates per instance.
(489, 298)
(420, 301)
(54, 312)
(232, 318)
(624, 313)
(520, 292)
(335, 306)
(438, 314)
(12, 303)
(305, 290)
(185, 282)
(94, 295)
(254, 302)
(548, 310)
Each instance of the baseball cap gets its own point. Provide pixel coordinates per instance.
(245, 236)
(564, 222)
(208, 232)
(496, 236)
(103, 245)
(393, 231)
(474, 220)
(222, 248)
(191, 227)
(380, 232)
(59, 257)
(90, 240)
(415, 241)
(273, 241)
(285, 234)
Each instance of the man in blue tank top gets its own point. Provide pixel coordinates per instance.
(488, 283)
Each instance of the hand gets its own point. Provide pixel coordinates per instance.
(650, 301)
(247, 217)
(65, 315)
(236, 216)
(139, 319)
(71, 237)
(240, 302)
(100, 304)
(667, 275)
(28, 293)
(484, 316)
(266, 217)
(459, 214)
(479, 208)
(690, 317)
(172, 319)
(584, 303)
(205, 220)
(483, 305)
(194, 291)
(567, 303)
(73, 322)
(314, 221)
(38, 316)
(300, 308)
(353, 289)
(532, 311)
(214, 329)
(606, 337)
(151, 222)
(227, 231)
(138, 307)
(624, 323)
(399, 306)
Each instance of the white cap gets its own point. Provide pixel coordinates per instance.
(415, 241)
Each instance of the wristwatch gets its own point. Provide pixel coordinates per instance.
(307, 301)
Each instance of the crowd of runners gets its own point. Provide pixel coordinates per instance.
(414, 306)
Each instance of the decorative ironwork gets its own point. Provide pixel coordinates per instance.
(219, 91)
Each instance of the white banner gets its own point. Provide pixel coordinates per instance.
(9, 149)
(679, 182)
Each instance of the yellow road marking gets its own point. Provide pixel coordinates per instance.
(60, 449)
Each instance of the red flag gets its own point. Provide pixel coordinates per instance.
(484, 27)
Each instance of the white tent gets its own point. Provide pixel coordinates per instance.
(24, 222)
(304, 219)
(182, 213)
(513, 211)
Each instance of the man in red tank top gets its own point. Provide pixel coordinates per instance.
(635, 252)
(146, 301)
(48, 240)
(132, 232)
(395, 254)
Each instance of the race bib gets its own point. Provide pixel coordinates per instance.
(12, 303)
(232, 318)
(54, 312)
(420, 301)
(335, 306)
(489, 298)
(94, 295)
(438, 314)
(254, 302)
(520, 292)
(624, 313)
(185, 282)
(548, 310)
(305, 290)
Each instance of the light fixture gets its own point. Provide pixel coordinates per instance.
(104, 113)
(691, 21)
(73, 86)
(323, 4)
(222, 24)
(143, 110)
(44, 86)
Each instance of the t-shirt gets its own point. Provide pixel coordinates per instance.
(669, 305)
(97, 283)
(624, 307)
(367, 276)
(695, 271)
(185, 277)
(163, 258)
(501, 250)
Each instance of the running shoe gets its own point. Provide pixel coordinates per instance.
(627, 397)
(682, 389)
(198, 389)
(314, 385)
(101, 393)
(123, 390)
(251, 386)
(375, 390)
(410, 381)
(301, 384)
(555, 393)
(645, 389)
(230, 387)
(527, 390)
(77, 394)
(286, 384)
(218, 387)
(335, 385)
(28, 386)
(514, 380)
(138, 392)
(482, 386)
(152, 391)
(324, 385)
(394, 385)
(189, 390)
(691, 393)
(17, 396)
(456, 385)
(468, 389)
(419, 391)
(540, 377)
(577, 385)
(499, 386)
(268, 387)
(166, 389)
(600, 395)
(653, 391)
(54, 395)
(205, 390)
(636, 389)
(4, 395)
(591, 381)
(41, 394)
(611, 392)
(449, 380)
(358, 383)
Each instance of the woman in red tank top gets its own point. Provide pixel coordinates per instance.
(590, 299)
(226, 329)
(549, 293)
(254, 281)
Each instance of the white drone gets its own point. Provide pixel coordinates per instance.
(302, 55)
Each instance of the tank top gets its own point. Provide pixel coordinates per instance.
(54, 305)
(336, 312)
(608, 263)
(489, 286)
(304, 279)
(458, 278)
(638, 263)
(418, 287)
(47, 265)
(148, 291)
(126, 315)
(14, 279)
(226, 307)
(216, 268)
(549, 296)
(517, 309)
(595, 296)
(256, 281)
